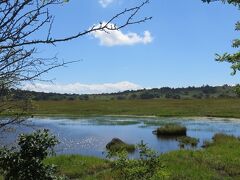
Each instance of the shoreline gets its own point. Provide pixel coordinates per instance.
(135, 116)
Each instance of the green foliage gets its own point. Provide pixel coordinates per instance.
(146, 95)
(234, 2)
(203, 92)
(237, 89)
(26, 161)
(148, 166)
(234, 58)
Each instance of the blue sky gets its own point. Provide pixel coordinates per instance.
(177, 50)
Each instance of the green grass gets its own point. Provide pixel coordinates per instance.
(186, 140)
(172, 130)
(178, 108)
(80, 167)
(221, 160)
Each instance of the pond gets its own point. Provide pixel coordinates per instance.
(89, 136)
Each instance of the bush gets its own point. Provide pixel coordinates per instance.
(26, 161)
(146, 95)
(171, 130)
(84, 97)
(120, 97)
(148, 166)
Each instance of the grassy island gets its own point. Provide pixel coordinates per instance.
(171, 130)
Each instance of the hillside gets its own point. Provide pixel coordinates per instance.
(204, 92)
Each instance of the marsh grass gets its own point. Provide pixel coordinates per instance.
(171, 130)
(116, 145)
(187, 141)
(220, 160)
(153, 107)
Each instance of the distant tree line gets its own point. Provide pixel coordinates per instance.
(191, 92)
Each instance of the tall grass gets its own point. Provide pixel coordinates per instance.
(172, 130)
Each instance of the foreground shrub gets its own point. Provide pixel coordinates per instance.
(148, 166)
(118, 145)
(171, 130)
(26, 161)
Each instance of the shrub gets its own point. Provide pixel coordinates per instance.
(26, 161)
(148, 166)
(146, 95)
(120, 97)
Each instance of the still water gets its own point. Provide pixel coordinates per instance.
(89, 136)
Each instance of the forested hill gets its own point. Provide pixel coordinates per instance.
(203, 92)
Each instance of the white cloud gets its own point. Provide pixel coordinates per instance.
(78, 88)
(105, 3)
(114, 38)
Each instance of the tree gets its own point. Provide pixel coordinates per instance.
(146, 95)
(20, 20)
(233, 59)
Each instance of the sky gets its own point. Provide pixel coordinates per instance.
(175, 49)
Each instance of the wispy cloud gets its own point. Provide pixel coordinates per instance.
(117, 37)
(105, 3)
(78, 88)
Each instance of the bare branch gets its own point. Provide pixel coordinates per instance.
(20, 21)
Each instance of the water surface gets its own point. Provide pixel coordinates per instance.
(89, 136)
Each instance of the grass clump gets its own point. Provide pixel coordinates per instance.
(116, 145)
(188, 141)
(171, 130)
